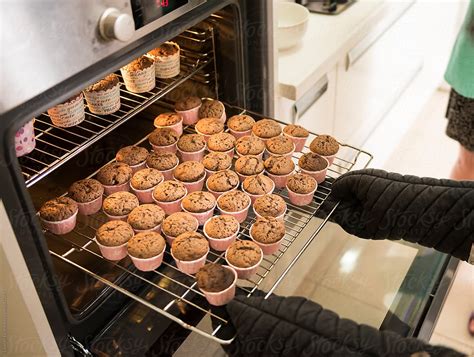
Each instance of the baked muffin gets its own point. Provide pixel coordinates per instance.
(209, 126)
(85, 190)
(120, 203)
(301, 183)
(58, 209)
(115, 173)
(249, 145)
(312, 162)
(233, 201)
(145, 179)
(146, 245)
(167, 60)
(189, 246)
(219, 227)
(139, 75)
(214, 278)
(167, 119)
(249, 165)
(114, 233)
(169, 191)
(243, 254)
(108, 82)
(266, 128)
(221, 142)
(163, 137)
(189, 171)
(164, 50)
(191, 143)
(280, 145)
(103, 97)
(139, 64)
(146, 217)
(270, 206)
(279, 165)
(267, 230)
(199, 201)
(258, 185)
(179, 223)
(324, 145)
(222, 181)
(296, 130)
(132, 155)
(217, 161)
(211, 109)
(187, 104)
(241, 123)
(162, 161)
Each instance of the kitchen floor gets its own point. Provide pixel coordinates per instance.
(341, 267)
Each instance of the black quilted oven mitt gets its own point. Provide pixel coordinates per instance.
(380, 205)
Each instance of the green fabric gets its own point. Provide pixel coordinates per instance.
(460, 71)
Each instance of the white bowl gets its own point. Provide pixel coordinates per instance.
(292, 24)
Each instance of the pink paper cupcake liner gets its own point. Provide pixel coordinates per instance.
(298, 141)
(202, 217)
(25, 139)
(223, 117)
(190, 116)
(239, 134)
(211, 172)
(190, 267)
(254, 197)
(242, 177)
(167, 174)
(192, 156)
(267, 249)
(289, 154)
(154, 229)
(330, 158)
(178, 127)
(279, 180)
(228, 152)
(223, 297)
(88, 208)
(138, 167)
(113, 253)
(147, 264)
(245, 273)
(166, 148)
(170, 239)
(193, 186)
(217, 194)
(116, 218)
(109, 189)
(280, 217)
(319, 176)
(206, 136)
(144, 196)
(220, 244)
(169, 207)
(301, 199)
(61, 227)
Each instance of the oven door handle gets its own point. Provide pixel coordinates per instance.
(309, 98)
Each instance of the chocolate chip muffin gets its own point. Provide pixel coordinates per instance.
(312, 162)
(249, 165)
(214, 278)
(222, 181)
(221, 142)
(233, 201)
(301, 183)
(164, 50)
(162, 161)
(249, 145)
(279, 165)
(199, 201)
(243, 254)
(132, 155)
(241, 122)
(189, 171)
(58, 209)
(169, 191)
(209, 126)
(266, 128)
(189, 246)
(120, 203)
(139, 64)
(146, 245)
(167, 119)
(104, 84)
(296, 130)
(147, 216)
(220, 227)
(114, 233)
(187, 103)
(217, 161)
(179, 223)
(270, 206)
(191, 142)
(86, 190)
(258, 185)
(267, 230)
(211, 109)
(145, 179)
(115, 173)
(163, 137)
(279, 145)
(324, 145)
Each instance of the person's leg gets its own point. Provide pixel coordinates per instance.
(464, 167)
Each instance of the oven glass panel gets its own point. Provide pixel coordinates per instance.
(146, 11)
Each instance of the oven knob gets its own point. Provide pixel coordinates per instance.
(114, 25)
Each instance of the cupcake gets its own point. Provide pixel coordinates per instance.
(167, 60)
(258, 185)
(189, 251)
(217, 283)
(216, 161)
(268, 234)
(69, 113)
(146, 218)
(177, 224)
(119, 204)
(222, 142)
(188, 109)
(169, 194)
(200, 205)
(280, 146)
(139, 75)
(314, 165)
(25, 139)
(209, 126)
(279, 168)
(59, 215)
(301, 188)
(146, 250)
(191, 147)
(266, 129)
(134, 156)
(164, 162)
(234, 203)
(246, 166)
(270, 206)
(115, 177)
(144, 182)
(240, 125)
(191, 174)
(245, 257)
(103, 97)
(250, 145)
(163, 140)
(297, 134)
(221, 231)
(325, 145)
(221, 182)
(213, 109)
(170, 120)
(88, 195)
(112, 238)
